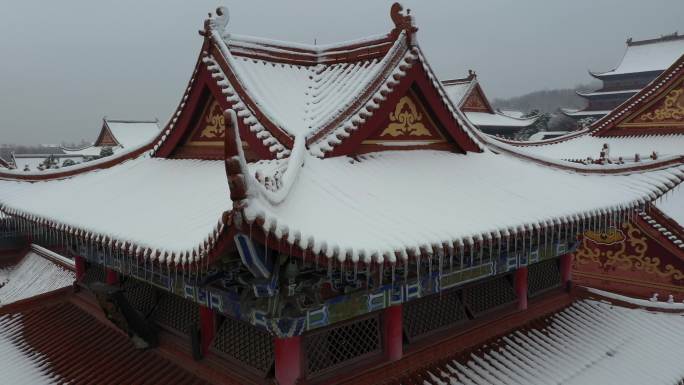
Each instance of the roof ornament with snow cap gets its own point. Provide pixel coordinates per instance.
(218, 22)
(402, 22)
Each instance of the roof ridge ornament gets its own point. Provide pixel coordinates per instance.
(217, 22)
(402, 22)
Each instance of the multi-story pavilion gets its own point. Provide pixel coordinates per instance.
(642, 62)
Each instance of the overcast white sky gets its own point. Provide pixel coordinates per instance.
(67, 63)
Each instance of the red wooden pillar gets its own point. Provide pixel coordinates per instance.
(521, 287)
(112, 277)
(80, 267)
(207, 327)
(288, 360)
(394, 343)
(566, 270)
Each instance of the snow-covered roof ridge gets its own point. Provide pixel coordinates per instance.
(280, 90)
(647, 55)
(458, 90)
(356, 111)
(618, 164)
(455, 111)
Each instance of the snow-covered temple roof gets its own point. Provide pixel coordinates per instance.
(17, 365)
(591, 342)
(459, 89)
(468, 96)
(498, 119)
(119, 135)
(358, 208)
(648, 55)
(34, 275)
(160, 204)
(66, 341)
(311, 188)
(581, 147)
(132, 133)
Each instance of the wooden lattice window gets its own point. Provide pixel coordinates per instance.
(176, 312)
(489, 295)
(94, 273)
(543, 276)
(246, 344)
(142, 296)
(433, 313)
(343, 344)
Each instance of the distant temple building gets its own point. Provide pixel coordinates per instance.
(115, 136)
(467, 94)
(642, 62)
(646, 254)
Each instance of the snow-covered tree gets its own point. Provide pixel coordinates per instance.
(106, 151)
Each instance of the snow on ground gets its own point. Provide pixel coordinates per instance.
(588, 343)
(19, 364)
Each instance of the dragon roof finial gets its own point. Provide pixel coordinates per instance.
(402, 21)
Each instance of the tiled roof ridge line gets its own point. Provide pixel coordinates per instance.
(456, 113)
(393, 67)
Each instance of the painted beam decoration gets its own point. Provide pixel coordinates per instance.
(632, 258)
(305, 296)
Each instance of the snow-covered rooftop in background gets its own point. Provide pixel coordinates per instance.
(162, 204)
(485, 119)
(584, 146)
(132, 133)
(19, 364)
(33, 275)
(33, 161)
(575, 112)
(590, 342)
(457, 90)
(649, 55)
(394, 201)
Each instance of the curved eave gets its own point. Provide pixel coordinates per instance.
(583, 113)
(601, 94)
